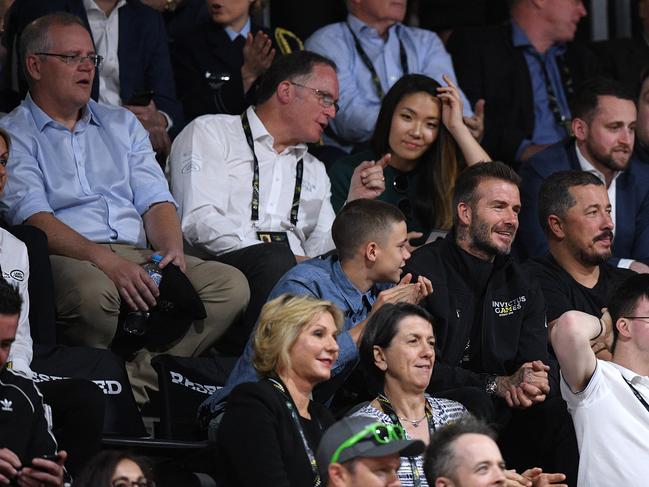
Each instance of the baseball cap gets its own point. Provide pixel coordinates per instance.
(362, 436)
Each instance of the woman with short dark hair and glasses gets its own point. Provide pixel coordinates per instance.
(271, 429)
(115, 469)
(397, 354)
(421, 140)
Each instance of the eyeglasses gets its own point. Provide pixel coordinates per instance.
(381, 433)
(325, 99)
(641, 318)
(124, 482)
(75, 59)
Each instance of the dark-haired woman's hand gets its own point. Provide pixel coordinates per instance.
(451, 106)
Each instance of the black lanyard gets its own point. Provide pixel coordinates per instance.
(317, 482)
(553, 101)
(368, 63)
(299, 170)
(389, 410)
(636, 392)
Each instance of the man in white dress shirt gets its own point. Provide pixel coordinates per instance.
(609, 401)
(249, 193)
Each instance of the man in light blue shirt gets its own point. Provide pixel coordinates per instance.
(372, 247)
(86, 175)
(372, 50)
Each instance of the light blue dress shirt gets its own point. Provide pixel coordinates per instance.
(233, 34)
(321, 278)
(546, 128)
(359, 101)
(98, 178)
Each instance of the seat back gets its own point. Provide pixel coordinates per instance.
(184, 384)
(104, 368)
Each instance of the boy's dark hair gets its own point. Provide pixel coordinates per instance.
(361, 221)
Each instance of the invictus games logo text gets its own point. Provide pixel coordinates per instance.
(506, 308)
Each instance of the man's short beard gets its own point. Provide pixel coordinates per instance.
(594, 259)
(607, 160)
(479, 235)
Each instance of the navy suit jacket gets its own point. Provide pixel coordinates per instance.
(631, 204)
(143, 50)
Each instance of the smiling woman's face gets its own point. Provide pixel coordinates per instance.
(415, 126)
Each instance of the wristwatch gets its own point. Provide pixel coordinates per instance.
(491, 385)
(170, 5)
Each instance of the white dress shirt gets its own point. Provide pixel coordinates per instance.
(105, 33)
(612, 193)
(211, 168)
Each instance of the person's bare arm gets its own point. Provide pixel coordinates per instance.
(133, 283)
(162, 228)
(455, 123)
(571, 339)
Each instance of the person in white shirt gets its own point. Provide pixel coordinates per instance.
(244, 180)
(609, 401)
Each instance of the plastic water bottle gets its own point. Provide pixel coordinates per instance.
(135, 322)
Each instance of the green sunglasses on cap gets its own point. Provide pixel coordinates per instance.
(381, 433)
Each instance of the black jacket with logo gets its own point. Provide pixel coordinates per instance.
(23, 427)
(511, 310)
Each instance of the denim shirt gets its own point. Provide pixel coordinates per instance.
(322, 278)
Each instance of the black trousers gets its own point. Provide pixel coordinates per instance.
(263, 265)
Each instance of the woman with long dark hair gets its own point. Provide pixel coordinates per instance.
(422, 140)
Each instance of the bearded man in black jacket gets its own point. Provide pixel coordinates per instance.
(490, 324)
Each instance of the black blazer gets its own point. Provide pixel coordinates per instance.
(258, 443)
(202, 60)
(489, 66)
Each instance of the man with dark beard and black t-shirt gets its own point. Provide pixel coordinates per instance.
(575, 213)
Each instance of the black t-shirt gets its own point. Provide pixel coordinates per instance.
(563, 293)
